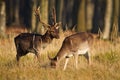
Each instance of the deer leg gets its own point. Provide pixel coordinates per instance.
(76, 60)
(66, 63)
(17, 58)
(37, 54)
(88, 57)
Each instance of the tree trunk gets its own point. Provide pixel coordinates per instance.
(89, 14)
(16, 12)
(67, 13)
(44, 15)
(114, 33)
(9, 12)
(2, 18)
(33, 20)
(59, 9)
(81, 17)
(108, 16)
(51, 4)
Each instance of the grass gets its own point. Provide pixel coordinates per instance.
(105, 63)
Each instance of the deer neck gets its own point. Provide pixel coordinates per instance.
(47, 38)
(61, 54)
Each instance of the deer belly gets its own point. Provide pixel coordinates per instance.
(83, 48)
(79, 52)
(83, 51)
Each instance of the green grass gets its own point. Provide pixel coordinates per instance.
(105, 65)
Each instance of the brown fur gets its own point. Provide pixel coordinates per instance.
(72, 44)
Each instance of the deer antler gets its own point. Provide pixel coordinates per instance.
(37, 14)
(54, 15)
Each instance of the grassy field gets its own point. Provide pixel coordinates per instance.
(105, 63)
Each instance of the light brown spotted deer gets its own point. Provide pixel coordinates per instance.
(31, 42)
(74, 45)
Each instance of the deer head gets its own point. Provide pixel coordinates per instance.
(53, 29)
(54, 62)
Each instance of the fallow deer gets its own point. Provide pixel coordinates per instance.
(31, 42)
(74, 45)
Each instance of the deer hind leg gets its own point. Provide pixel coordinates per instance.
(37, 54)
(88, 57)
(66, 61)
(17, 58)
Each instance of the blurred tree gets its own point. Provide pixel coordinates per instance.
(67, 14)
(44, 15)
(16, 12)
(51, 4)
(115, 28)
(59, 9)
(2, 18)
(108, 17)
(89, 14)
(75, 12)
(119, 17)
(33, 19)
(98, 16)
(12, 12)
(81, 17)
(25, 13)
(9, 12)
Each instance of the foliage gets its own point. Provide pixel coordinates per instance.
(111, 57)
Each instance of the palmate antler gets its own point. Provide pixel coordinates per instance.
(37, 14)
(54, 16)
(53, 19)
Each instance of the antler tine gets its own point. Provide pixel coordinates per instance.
(37, 14)
(54, 15)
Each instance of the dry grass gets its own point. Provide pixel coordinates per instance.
(105, 63)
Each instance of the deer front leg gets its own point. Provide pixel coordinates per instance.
(76, 60)
(37, 52)
(66, 61)
(89, 58)
(17, 58)
(38, 57)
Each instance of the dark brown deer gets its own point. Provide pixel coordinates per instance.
(30, 42)
(74, 45)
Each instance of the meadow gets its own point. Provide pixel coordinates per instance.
(105, 63)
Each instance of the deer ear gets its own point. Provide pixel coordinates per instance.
(66, 27)
(73, 29)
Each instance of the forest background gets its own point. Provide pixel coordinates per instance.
(86, 15)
